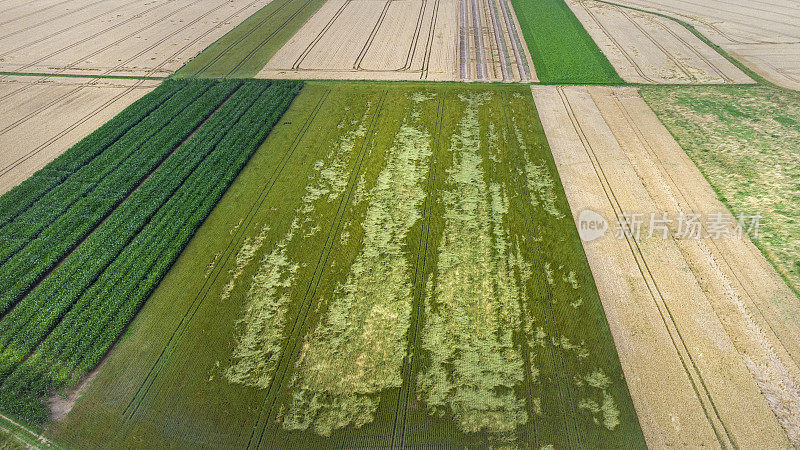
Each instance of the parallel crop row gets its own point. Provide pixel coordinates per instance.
(19, 199)
(63, 327)
(54, 224)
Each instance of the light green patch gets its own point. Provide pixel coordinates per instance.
(357, 351)
(243, 257)
(261, 329)
(474, 365)
(542, 187)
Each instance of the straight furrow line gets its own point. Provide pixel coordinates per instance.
(406, 390)
(229, 251)
(559, 375)
(666, 316)
(268, 38)
(295, 336)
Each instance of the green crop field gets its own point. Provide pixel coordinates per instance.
(745, 142)
(244, 50)
(94, 232)
(561, 49)
(396, 265)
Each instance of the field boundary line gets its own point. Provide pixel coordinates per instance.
(94, 279)
(407, 371)
(659, 164)
(204, 290)
(669, 55)
(740, 65)
(100, 180)
(725, 77)
(652, 286)
(63, 133)
(268, 38)
(320, 35)
(238, 41)
(560, 376)
(372, 35)
(295, 337)
(619, 46)
(138, 185)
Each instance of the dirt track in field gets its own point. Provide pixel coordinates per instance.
(645, 48)
(764, 34)
(110, 37)
(708, 357)
(439, 40)
(44, 116)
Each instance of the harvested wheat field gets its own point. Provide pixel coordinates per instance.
(764, 34)
(44, 116)
(705, 328)
(645, 48)
(439, 40)
(90, 37)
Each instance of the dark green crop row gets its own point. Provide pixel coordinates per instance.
(64, 326)
(36, 240)
(20, 198)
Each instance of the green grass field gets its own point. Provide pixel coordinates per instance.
(745, 141)
(243, 51)
(561, 49)
(396, 265)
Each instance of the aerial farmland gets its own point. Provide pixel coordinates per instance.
(399, 224)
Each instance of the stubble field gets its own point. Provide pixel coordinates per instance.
(713, 312)
(765, 35)
(645, 48)
(45, 116)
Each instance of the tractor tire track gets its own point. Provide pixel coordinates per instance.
(268, 38)
(230, 250)
(315, 41)
(681, 348)
(420, 270)
(289, 353)
(372, 35)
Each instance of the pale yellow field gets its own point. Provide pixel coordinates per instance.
(645, 48)
(44, 116)
(113, 37)
(763, 34)
(708, 357)
(406, 40)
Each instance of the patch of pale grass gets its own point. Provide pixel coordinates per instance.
(357, 350)
(473, 364)
(260, 331)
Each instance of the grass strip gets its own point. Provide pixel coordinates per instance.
(561, 49)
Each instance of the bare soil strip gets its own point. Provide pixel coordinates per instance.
(116, 38)
(645, 48)
(765, 35)
(58, 113)
(707, 358)
(437, 40)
